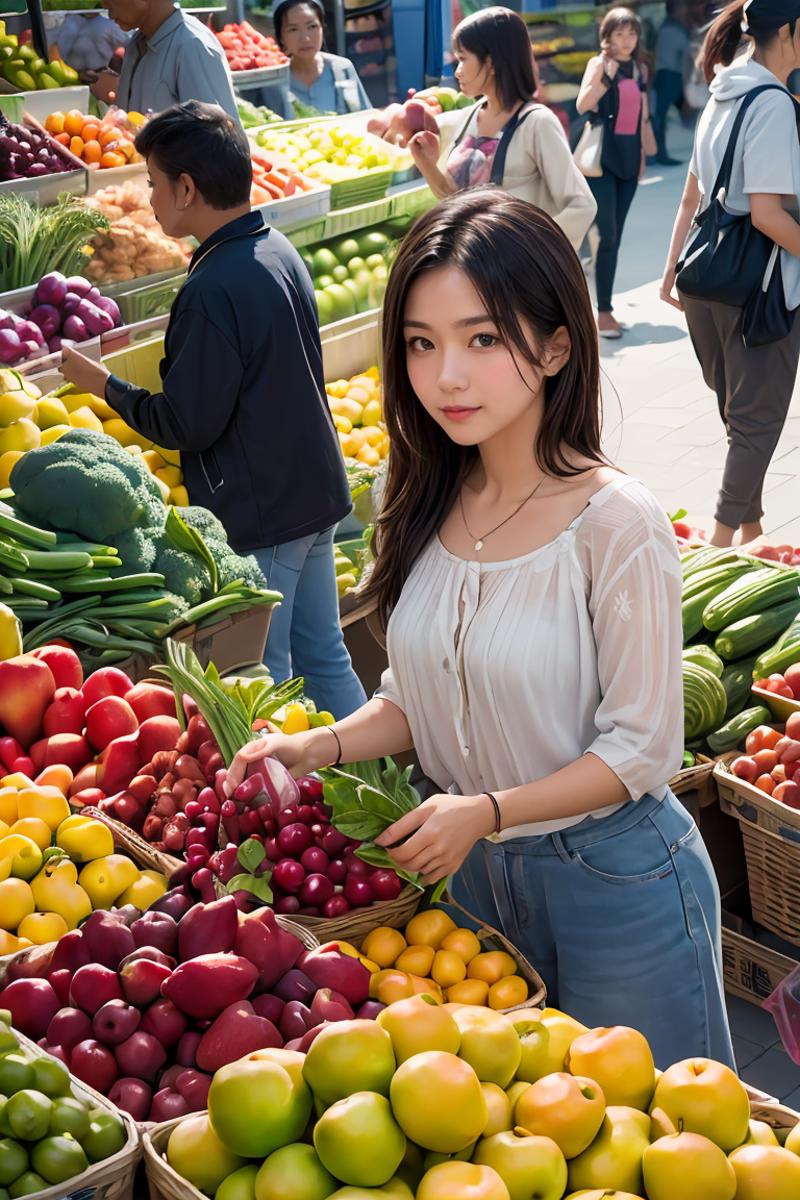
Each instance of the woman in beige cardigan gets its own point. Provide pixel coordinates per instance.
(508, 138)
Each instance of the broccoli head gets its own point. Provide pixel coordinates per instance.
(137, 548)
(184, 574)
(88, 484)
(232, 566)
(206, 524)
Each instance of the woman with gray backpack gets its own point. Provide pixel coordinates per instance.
(734, 260)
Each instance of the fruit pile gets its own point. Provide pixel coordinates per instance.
(254, 115)
(56, 868)
(783, 552)
(349, 274)
(144, 1007)
(329, 153)
(23, 68)
(772, 762)
(785, 684)
(248, 50)
(62, 312)
(350, 559)
(134, 245)
(358, 416)
(25, 153)
(275, 177)
(441, 1104)
(447, 961)
(99, 143)
(51, 1132)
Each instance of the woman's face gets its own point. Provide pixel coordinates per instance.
(464, 375)
(622, 43)
(301, 34)
(471, 73)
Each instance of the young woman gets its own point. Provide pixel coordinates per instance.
(495, 61)
(324, 82)
(614, 91)
(518, 577)
(753, 385)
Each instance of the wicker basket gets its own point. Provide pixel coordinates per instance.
(355, 925)
(777, 1116)
(111, 1179)
(695, 779)
(130, 843)
(771, 836)
(162, 1181)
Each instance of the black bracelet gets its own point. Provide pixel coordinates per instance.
(498, 822)
(338, 743)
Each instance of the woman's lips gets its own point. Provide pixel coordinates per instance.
(459, 412)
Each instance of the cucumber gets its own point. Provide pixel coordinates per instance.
(703, 579)
(694, 603)
(751, 633)
(704, 656)
(754, 592)
(733, 733)
(737, 679)
(780, 656)
(704, 701)
(706, 556)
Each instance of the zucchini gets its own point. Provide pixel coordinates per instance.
(751, 633)
(704, 701)
(693, 606)
(707, 556)
(702, 579)
(737, 679)
(704, 656)
(731, 735)
(754, 592)
(780, 656)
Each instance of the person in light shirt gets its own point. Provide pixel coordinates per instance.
(531, 596)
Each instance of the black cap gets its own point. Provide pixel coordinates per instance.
(768, 16)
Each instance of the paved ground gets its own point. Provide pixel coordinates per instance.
(661, 422)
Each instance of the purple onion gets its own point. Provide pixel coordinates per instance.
(80, 286)
(51, 289)
(29, 331)
(278, 783)
(48, 318)
(11, 347)
(75, 329)
(111, 307)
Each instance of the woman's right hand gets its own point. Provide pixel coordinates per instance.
(610, 66)
(667, 291)
(425, 149)
(295, 751)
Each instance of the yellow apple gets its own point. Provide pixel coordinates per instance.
(793, 1140)
(534, 1038)
(601, 1194)
(528, 1166)
(760, 1134)
(515, 1091)
(766, 1173)
(614, 1159)
(687, 1165)
(499, 1107)
(567, 1108)
(620, 1060)
(699, 1095)
(489, 1044)
(562, 1032)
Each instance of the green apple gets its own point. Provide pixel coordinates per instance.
(489, 1043)
(325, 307)
(348, 1057)
(687, 1165)
(432, 1159)
(528, 1165)
(340, 274)
(359, 1141)
(419, 1024)
(241, 1185)
(702, 1096)
(534, 1038)
(324, 281)
(293, 1172)
(614, 1159)
(620, 1060)
(567, 1108)
(355, 264)
(375, 260)
(766, 1173)
(195, 1151)
(277, 1106)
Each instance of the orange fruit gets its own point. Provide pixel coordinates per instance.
(469, 991)
(63, 138)
(90, 131)
(429, 928)
(76, 146)
(55, 123)
(426, 987)
(127, 149)
(491, 966)
(508, 992)
(74, 122)
(111, 159)
(388, 986)
(448, 969)
(383, 945)
(92, 152)
(107, 136)
(462, 942)
(417, 960)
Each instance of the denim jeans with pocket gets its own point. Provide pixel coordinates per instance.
(305, 635)
(621, 918)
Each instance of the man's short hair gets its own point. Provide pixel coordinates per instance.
(203, 142)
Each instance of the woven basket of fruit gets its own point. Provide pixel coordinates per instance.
(164, 1183)
(695, 778)
(130, 843)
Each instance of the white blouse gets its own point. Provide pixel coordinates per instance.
(507, 672)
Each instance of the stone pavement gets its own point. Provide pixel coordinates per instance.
(661, 422)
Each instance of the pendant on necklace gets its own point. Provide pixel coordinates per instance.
(479, 545)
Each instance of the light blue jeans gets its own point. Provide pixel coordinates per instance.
(305, 635)
(621, 918)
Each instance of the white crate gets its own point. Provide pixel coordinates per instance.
(305, 206)
(351, 346)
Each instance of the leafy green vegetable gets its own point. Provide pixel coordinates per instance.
(36, 240)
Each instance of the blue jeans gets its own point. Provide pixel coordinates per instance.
(621, 918)
(305, 635)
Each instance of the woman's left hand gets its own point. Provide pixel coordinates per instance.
(438, 835)
(84, 373)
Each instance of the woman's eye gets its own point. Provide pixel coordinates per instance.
(419, 343)
(485, 341)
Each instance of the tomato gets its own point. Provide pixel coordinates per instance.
(765, 783)
(793, 726)
(792, 677)
(745, 768)
(762, 738)
(682, 530)
(766, 759)
(788, 793)
(778, 773)
(779, 687)
(790, 752)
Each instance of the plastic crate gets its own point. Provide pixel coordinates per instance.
(41, 104)
(47, 188)
(246, 80)
(102, 177)
(141, 299)
(232, 642)
(365, 187)
(296, 210)
(360, 216)
(412, 201)
(351, 346)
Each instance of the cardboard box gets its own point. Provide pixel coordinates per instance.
(233, 642)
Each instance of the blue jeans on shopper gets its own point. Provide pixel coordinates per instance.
(305, 635)
(621, 918)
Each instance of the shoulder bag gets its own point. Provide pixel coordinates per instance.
(588, 153)
(730, 261)
(499, 161)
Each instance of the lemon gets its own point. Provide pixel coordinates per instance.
(51, 411)
(179, 496)
(21, 435)
(54, 433)
(7, 462)
(16, 903)
(120, 431)
(25, 855)
(84, 839)
(296, 719)
(41, 928)
(105, 879)
(84, 418)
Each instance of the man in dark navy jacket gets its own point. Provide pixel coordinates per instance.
(243, 394)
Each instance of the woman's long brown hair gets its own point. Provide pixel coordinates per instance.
(527, 274)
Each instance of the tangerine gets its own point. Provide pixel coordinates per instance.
(448, 969)
(470, 991)
(491, 966)
(384, 945)
(462, 942)
(429, 928)
(508, 992)
(110, 158)
(417, 960)
(55, 123)
(74, 122)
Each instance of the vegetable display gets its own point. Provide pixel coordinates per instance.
(62, 312)
(25, 153)
(132, 244)
(248, 50)
(275, 177)
(100, 143)
(357, 411)
(23, 68)
(254, 115)
(771, 761)
(37, 241)
(350, 273)
(330, 152)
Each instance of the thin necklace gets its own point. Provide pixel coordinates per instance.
(479, 542)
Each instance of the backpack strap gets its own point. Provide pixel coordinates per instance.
(723, 179)
(499, 163)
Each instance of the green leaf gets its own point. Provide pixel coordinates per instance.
(251, 855)
(183, 537)
(256, 885)
(438, 891)
(678, 516)
(376, 856)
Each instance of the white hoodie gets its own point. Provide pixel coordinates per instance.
(767, 158)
